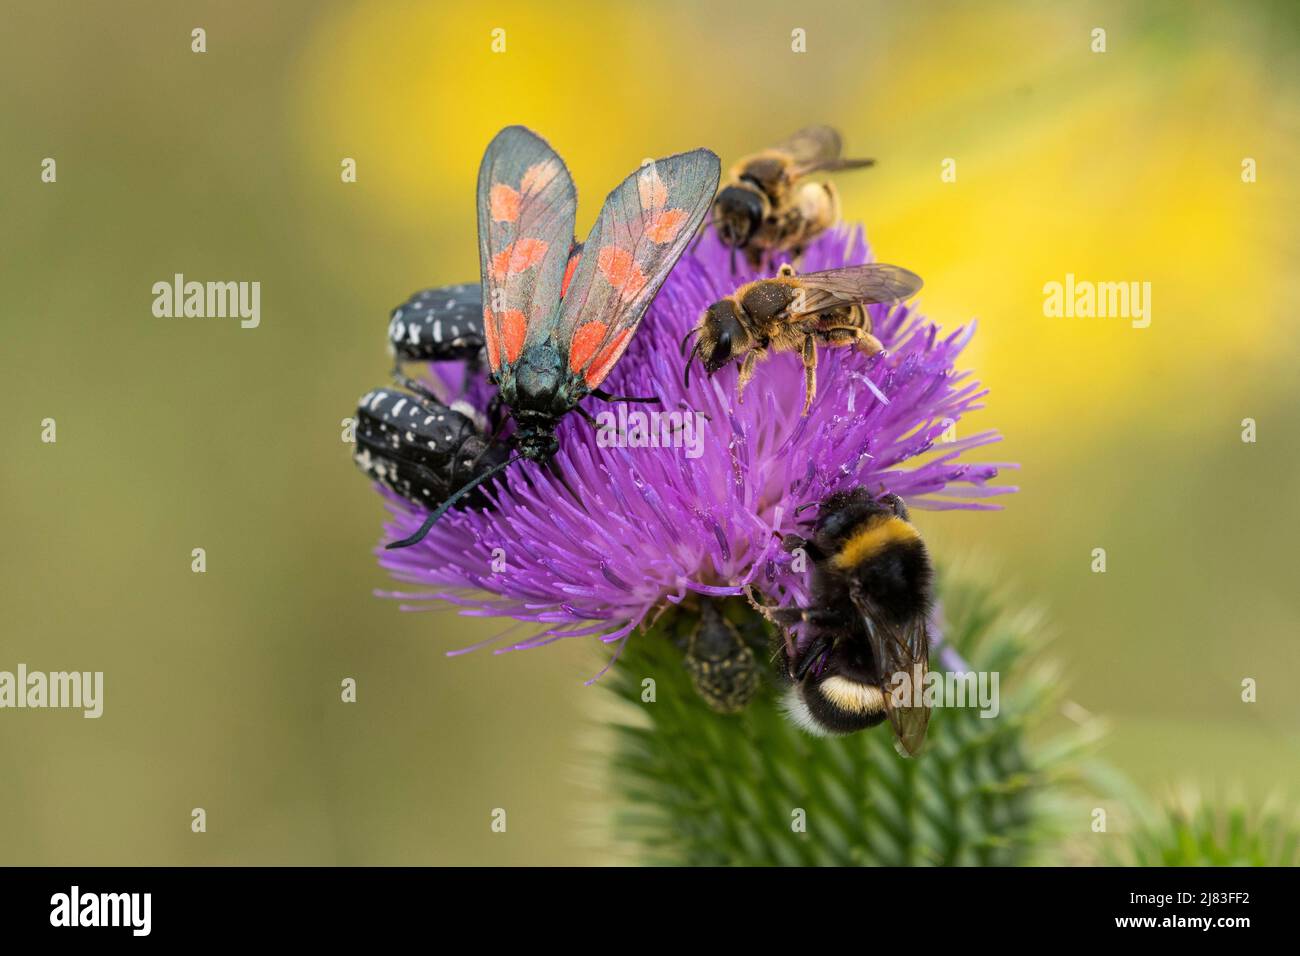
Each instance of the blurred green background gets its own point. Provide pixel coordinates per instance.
(222, 689)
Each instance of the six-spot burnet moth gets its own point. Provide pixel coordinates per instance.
(557, 316)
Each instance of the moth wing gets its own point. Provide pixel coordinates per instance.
(867, 284)
(641, 232)
(526, 210)
(898, 650)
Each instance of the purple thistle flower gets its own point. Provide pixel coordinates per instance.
(612, 535)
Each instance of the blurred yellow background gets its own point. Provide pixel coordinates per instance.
(222, 688)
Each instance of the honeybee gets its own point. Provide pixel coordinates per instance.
(793, 313)
(765, 207)
(866, 624)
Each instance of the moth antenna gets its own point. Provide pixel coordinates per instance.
(442, 509)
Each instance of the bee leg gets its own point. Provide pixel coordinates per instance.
(746, 373)
(809, 372)
(780, 616)
(869, 344)
(811, 654)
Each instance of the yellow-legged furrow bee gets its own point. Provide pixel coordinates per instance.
(765, 207)
(723, 667)
(866, 624)
(795, 313)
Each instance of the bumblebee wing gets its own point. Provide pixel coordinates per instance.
(641, 232)
(899, 650)
(439, 324)
(526, 210)
(817, 149)
(874, 282)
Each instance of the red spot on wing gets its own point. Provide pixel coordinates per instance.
(490, 335)
(528, 253)
(585, 342)
(666, 225)
(514, 326)
(504, 203)
(650, 188)
(520, 256)
(621, 271)
(538, 176)
(568, 272)
(603, 362)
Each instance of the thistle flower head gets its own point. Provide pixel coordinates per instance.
(614, 531)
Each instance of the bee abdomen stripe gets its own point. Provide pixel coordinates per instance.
(871, 540)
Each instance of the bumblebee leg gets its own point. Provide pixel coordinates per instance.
(746, 373)
(812, 653)
(780, 616)
(809, 372)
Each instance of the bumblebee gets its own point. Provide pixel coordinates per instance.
(723, 667)
(793, 313)
(866, 625)
(765, 207)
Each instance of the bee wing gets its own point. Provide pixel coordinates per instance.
(641, 232)
(899, 650)
(817, 149)
(526, 210)
(874, 282)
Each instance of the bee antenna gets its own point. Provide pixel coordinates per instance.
(443, 508)
(686, 373)
(805, 506)
(733, 260)
(682, 348)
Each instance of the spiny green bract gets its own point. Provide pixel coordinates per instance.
(1194, 833)
(702, 788)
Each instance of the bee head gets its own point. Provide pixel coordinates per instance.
(737, 213)
(840, 692)
(841, 514)
(720, 337)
